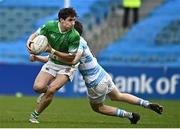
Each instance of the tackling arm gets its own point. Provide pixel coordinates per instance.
(61, 55)
(74, 61)
(43, 59)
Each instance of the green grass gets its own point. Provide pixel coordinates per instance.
(76, 113)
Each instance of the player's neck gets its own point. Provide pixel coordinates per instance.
(61, 28)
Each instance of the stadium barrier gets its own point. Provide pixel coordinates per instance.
(146, 82)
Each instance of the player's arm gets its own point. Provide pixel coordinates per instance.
(78, 55)
(74, 61)
(34, 58)
(62, 55)
(42, 30)
(73, 47)
(30, 41)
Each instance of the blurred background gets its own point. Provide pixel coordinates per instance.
(136, 41)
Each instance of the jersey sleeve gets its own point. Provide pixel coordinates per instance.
(74, 44)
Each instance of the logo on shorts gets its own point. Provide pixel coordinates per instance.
(47, 68)
(68, 70)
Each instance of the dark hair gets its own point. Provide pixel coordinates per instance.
(79, 27)
(66, 12)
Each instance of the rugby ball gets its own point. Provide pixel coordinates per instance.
(39, 44)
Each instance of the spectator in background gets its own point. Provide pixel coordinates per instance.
(129, 5)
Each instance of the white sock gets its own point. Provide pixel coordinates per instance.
(123, 113)
(143, 103)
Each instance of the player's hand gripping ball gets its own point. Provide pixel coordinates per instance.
(39, 44)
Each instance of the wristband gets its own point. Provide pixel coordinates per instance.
(53, 51)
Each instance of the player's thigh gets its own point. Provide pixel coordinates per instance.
(98, 93)
(43, 78)
(114, 94)
(58, 82)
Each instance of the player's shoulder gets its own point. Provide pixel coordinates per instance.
(51, 23)
(83, 42)
(74, 35)
(75, 32)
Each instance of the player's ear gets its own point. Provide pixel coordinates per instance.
(61, 20)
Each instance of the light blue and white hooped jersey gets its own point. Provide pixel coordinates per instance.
(91, 71)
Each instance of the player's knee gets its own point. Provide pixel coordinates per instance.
(39, 88)
(49, 95)
(97, 108)
(51, 91)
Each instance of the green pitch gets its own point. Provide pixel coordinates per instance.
(76, 113)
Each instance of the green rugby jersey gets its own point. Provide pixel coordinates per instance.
(67, 42)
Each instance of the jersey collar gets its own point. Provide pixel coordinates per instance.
(60, 29)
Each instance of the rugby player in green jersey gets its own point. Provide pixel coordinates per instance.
(63, 41)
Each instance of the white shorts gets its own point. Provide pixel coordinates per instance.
(55, 69)
(98, 93)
